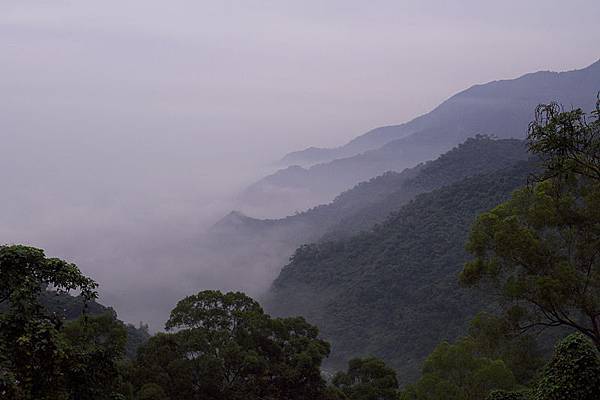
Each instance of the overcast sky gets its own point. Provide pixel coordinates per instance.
(121, 119)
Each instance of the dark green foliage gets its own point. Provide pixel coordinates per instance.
(491, 357)
(25, 273)
(393, 292)
(374, 201)
(67, 308)
(504, 395)
(33, 354)
(367, 379)
(96, 344)
(573, 373)
(41, 356)
(494, 338)
(136, 337)
(538, 251)
(567, 141)
(161, 364)
(226, 347)
(458, 372)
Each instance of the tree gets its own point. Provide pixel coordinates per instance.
(573, 372)
(566, 142)
(162, 363)
(367, 379)
(492, 337)
(96, 346)
(224, 346)
(457, 372)
(32, 352)
(539, 250)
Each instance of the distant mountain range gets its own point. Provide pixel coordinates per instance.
(255, 249)
(379, 275)
(501, 108)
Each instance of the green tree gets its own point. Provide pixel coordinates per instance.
(457, 372)
(494, 338)
(367, 379)
(539, 250)
(32, 351)
(96, 346)
(573, 373)
(162, 362)
(566, 141)
(225, 347)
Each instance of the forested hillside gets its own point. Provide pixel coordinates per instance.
(393, 292)
(265, 245)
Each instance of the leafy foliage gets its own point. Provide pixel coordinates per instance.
(68, 308)
(492, 337)
(96, 345)
(226, 347)
(41, 356)
(490, 360)
(393, 292)
(504, 395)
(538, 250)
(573, 372)
(32, 352)
(567, 142)
(367, 379)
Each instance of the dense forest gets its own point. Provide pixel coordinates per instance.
(453, 296)
(392, 292)
(270, 242)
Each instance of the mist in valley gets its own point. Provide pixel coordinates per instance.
(129, 128)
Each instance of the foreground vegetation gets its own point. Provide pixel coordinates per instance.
(535, 255)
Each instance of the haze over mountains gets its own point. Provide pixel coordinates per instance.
(501, 109)
(280, 187)
(380, 275)
(255, 249)
(393, 292)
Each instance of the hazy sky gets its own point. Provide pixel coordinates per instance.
(123, 124)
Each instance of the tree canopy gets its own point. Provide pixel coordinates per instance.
(224, 346)
(539, 250)
(367, 379)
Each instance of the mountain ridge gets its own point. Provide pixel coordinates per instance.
(501, 108)
(314, 155)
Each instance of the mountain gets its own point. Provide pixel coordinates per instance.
(500, 108)
(254, 249)
(393, 292)
(371, 140)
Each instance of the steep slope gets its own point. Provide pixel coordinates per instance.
(254, 250)
(500, 108)
(393, 292)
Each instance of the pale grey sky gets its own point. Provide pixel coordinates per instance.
(125, 122)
